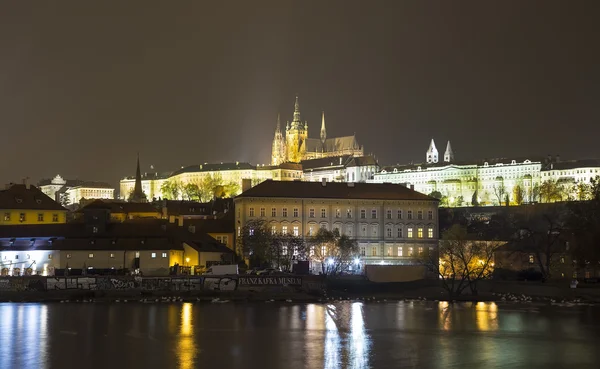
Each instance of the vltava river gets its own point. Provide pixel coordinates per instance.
(289, 335)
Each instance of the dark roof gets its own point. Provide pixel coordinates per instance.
(154, 234)
(222, 225)
(359, 161)
(116, 206)
(334, 190)
(573, 164)
(20, 196)
(321, 163)
(92, 184)
(155, 175)
(76, 183)
(176, 207)
(214, 167)
(332, 144)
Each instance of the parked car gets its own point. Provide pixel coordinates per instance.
(268, 271)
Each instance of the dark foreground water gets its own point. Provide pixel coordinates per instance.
(275, 335)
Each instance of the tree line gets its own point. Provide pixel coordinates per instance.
(263, 247)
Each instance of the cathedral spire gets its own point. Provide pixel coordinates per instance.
(448, 155)
(138, 194)
(323, 131)
(432, 153)
(278, 129)
(296, 113)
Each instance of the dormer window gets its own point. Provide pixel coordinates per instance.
(18, 200)
(39, 201)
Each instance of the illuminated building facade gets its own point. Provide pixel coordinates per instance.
(295, 146)
(24, 204)
(74, 190)
(392, 224)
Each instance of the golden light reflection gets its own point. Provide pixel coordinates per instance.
(444, 317)
(186, 345)
(486, 316)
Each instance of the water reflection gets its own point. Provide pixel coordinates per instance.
(359, 342)
(346, 340)
(486, 316)
(186, 345)
(23, 335)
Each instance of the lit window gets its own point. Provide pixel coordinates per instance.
(338, 213)
(262, 212)
(409, 232)
(7, 217)
(296, 232)
(239, 231)
(349, 213)
(323, 250)
(388, 214)
(295, 212)
(40, 217)
(531, 259)
(164, 254)
(21, 217)
(420, 232)
(153, 255)
(251, 212)
(273, 212)
(399, 232)
(68, 256)
(389, 251)
(410, 251)
(374, 251)
(363, 214)
(112, 255)
(399, 250)
(137, 254)
(311, 230)
(420, 251)
(430, 215)
(284, 212)
(399, 214)
(273, 229)
(389, 231)
(49, 256)
(90, 256)
(284, 250)
(311, 213)
(251, 231)
(420, 214)
(323, 213)
(409, 214)
(374, 214)
(95, 229)
(284, 229)
(430, 232)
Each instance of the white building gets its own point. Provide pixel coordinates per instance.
(345, 168)
(489, 181)
(73, 190)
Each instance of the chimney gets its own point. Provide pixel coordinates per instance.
(324, 182)
(246, 184)
(558, 158)
(26, 182)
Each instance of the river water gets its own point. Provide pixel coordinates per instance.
(289, 335)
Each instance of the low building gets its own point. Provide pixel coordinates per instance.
(26, 204)
(121, 211)
(345, 168)
(179, 210)
(392, 224)
(221, 229)
(71, 191)
(96, 246)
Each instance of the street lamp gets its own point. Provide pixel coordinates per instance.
(356, 261)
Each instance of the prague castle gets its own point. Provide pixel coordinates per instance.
(295, 146)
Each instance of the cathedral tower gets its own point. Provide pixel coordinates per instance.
(323, 131)
(138, 195)
(432, 153)
(296, 136)
(278, 150)
(448, 155)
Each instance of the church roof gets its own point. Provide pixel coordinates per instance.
(334, 190)
(572, 164)
(329, 162)
(332, 144)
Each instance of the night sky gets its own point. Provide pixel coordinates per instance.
(84, 87)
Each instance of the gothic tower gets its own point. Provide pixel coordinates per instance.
(296, 136)
(278, 150)
(138, 194)
(432, 153)
(323, 131)
(448, 155)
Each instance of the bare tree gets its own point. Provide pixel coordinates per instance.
(499, 190)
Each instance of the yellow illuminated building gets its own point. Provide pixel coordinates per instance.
(26, 204)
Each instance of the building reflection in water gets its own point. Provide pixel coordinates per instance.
(24, 335)
(487, 316)
(332, 339)
(186, 344)
(359, 341)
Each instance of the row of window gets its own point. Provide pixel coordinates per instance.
(29, 257)
(23, 217)
(420, 231)
(112, 255)
(389, 214)
(390, 251)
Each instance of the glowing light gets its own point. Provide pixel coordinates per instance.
(187, 260)
(330, 261)
(357, 261)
